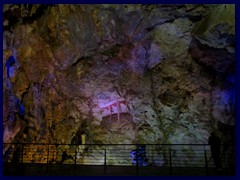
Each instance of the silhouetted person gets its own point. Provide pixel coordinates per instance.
(139, 156)
(65, 156)
(16, 156)
(215, 145)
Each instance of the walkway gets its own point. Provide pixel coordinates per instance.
(88, 170)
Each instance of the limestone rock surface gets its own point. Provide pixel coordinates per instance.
(119, 73)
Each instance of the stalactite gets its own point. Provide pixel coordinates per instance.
(118, 111)
(36, 104)
(90, 105)
(110, 108)
(11, 102)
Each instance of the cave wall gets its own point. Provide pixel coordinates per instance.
(118, 73)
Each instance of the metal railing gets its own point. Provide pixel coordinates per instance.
(158, 155)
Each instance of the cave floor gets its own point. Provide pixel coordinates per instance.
(10, 169)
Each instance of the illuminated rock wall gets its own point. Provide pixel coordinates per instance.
(119, 73)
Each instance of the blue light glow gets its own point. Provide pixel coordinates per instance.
(21, 109)
(139, 156)
(11, 60)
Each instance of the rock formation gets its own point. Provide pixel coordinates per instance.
(119, 73)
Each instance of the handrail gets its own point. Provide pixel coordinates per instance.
(114, 144)
(159, 155)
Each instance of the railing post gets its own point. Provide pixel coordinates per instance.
(21, 168)
(22, 153)
(75, 161)
(137, 161)
(47, 158)
(152, 153)
(170, 160)
(75, 157)
(105, 160)
(48, 154)
(206, 162)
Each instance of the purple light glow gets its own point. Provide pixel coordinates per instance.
(228, 96)
(111, 106)
(112, 102)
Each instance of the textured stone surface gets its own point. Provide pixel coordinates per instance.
(120, 73)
